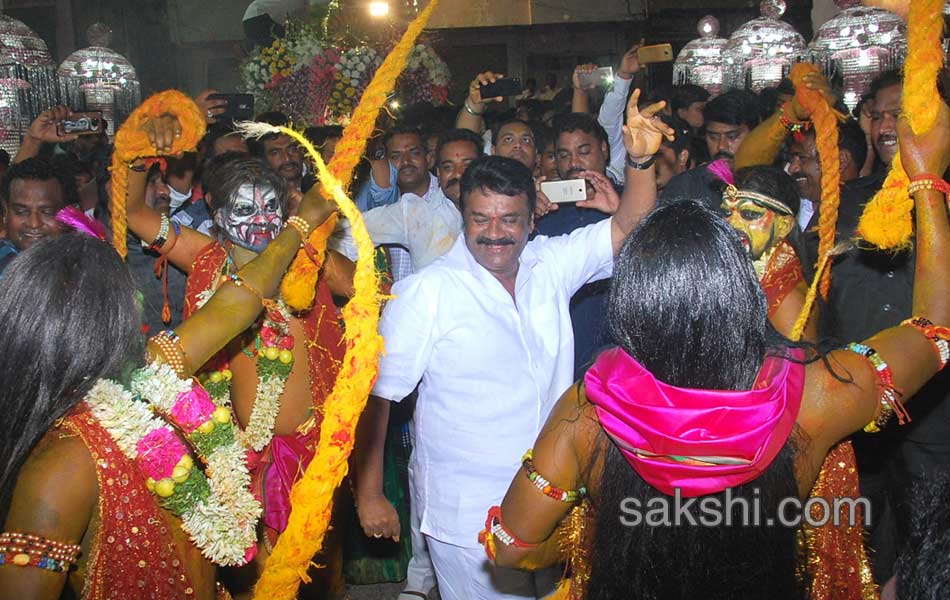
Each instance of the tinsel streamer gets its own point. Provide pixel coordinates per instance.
(312, 496)
(886, 222)
(131, 143)
(825, 121)
(352, 145)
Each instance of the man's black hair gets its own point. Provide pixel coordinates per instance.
(501, 175)
(735, 107)
(575, 121)
(851, 138)
(885, 80)
(458, 135)
(681, 139)
(275, 118)
(4, 158)
(40, 169)
(686, 95)
(403, 129)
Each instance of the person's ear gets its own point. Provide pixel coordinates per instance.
(783, 226)
(683, 158)
(846, 160)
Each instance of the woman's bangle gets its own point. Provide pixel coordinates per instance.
(938, 336)
(162, 236)
(302, 227)
(169, 344)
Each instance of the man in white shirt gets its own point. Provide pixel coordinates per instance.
(487, 331)
(428, 224)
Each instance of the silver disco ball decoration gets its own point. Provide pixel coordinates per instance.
(856, 45)
(27, 80)
(97, 78)
(700, 61)
(761, 52)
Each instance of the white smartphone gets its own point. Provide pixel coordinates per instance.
(570, 190)
(596, 78)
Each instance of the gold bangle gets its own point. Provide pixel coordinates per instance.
(302, 227)
(169, 344)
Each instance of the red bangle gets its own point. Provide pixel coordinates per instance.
(495, 528)
(926, 181)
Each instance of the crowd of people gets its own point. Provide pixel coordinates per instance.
(643, 343)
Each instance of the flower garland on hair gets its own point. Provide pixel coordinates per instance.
(131, 143)
(886, 221)
(217, 510)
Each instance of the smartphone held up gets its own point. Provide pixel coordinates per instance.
(81, 123)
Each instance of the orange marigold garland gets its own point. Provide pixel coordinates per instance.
(351, 147)
(886, 221)
(132, 143)
(825, 120)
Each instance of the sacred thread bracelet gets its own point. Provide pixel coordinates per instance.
(926, 181)
(792, 126)
(27, 550)
(890, 396)
(938, 336)
(495, 528)
(162, 236)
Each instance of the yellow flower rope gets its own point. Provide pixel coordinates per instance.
(312, 496)
(886, 221)
(298, 285)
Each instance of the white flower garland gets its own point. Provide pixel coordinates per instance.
(223, 526)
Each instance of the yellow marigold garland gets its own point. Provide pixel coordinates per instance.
(886, 221)
(131, 143)
(351, 147)
(312, 496)
(825, 120)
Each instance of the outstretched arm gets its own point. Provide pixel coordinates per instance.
(43, 130)
(233, 308)
(470, 117)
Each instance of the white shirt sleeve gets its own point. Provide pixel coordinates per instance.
(409, 333)
(584, 255)
(611, 119)
(387, 224)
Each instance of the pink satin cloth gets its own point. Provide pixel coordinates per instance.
(273, 473)
(700, 441)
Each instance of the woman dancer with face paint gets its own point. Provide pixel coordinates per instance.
(279, 372)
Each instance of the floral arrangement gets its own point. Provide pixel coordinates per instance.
(316, 79)
(158, 434)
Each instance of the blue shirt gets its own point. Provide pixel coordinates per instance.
(373, 196)
(7, 253)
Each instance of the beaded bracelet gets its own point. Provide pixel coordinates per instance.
(302, 227)
(939, 336)
(926, 181)
(162, 236)
(23, 550)
(169, 344)
(552, 491)
(793, 127)
(495, 528)
(890, 396)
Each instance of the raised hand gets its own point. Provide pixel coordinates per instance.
(630, 63)
(210, 108)
(162, 132)
(44, 127)
(644, 131)
(475, 100)
(582, 70)
(605, 196)
(929, 151)
(816, 82)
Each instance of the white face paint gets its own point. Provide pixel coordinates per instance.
(252, 217)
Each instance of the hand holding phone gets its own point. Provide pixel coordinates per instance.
(237, 107)
(80, 123)
(506, 86)
(570, 190)
(595, 78)
(657, 53)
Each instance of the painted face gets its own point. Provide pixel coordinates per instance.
(496, 230)
(723, 139)
(759, 228)
(805, 168)
(580, 151)
(516, 140)
(31, 211)
(252, 218)
(887, 107)
(453, 160)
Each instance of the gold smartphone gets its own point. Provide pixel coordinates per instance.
(657, 53)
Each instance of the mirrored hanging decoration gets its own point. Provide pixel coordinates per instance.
(27, 80)
(98, 78)
(700, 61)
(761, 52)
(856, 45)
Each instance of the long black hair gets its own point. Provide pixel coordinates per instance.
(69, 317)
(685, 302)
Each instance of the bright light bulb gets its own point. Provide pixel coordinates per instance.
(379, 9)
(394, 105)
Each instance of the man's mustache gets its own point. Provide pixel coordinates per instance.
(451, 182)
(725, 155)
(487, 241)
